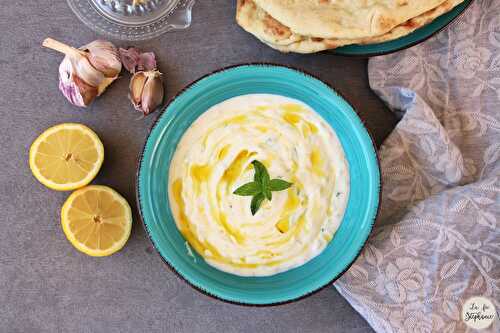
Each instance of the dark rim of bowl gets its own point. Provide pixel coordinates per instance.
(138, 195)
(404, 47)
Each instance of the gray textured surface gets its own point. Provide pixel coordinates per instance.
(45, 284)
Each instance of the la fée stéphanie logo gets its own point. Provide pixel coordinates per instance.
(478, 312)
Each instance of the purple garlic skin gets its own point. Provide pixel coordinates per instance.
(134, 60)
(75, 89)
(146, 91)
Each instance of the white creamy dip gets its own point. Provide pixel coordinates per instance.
(214, 158)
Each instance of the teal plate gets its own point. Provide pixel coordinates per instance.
(187, 106)
(407, 41)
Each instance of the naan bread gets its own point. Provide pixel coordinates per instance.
(345, 19)
(256, 21)
(278, 36)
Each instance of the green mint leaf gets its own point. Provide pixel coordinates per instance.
(267, 193)
(265, 177)
(265, 185)
(279, 184)
(248, 189)
(262, 187)
(256, 202)
(259, 171)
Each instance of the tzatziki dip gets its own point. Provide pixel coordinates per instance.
(218, 155)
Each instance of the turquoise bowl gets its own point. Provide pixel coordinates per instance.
(362, 208)
(407, 41)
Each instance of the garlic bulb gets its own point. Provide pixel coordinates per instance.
(85, 73)
(146, 91)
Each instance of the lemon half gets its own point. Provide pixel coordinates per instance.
(97, 220)
(66, 157)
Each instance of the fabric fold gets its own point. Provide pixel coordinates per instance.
(436, 242)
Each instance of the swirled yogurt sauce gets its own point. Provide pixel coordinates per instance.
(214, 157)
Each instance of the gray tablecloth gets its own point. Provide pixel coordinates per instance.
(46, 285)
(437, 240)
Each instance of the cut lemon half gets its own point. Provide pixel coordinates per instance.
(96, 220)
(66, 157)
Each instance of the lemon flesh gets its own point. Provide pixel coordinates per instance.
(97, 220)
(66, 157)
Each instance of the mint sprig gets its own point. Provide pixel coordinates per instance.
(262, 187)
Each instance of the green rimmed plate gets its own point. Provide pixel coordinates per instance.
(152, 180)
(416, 37)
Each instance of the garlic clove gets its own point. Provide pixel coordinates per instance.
(136, 87)
(134, 60)
(146, 91)
(87, 92)
(104, 57)
(152, 95)
(87, 72)
(147, 61)
(129, 57)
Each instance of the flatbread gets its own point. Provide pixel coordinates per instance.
(345, 19)
(278, 36)
(256, 21)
